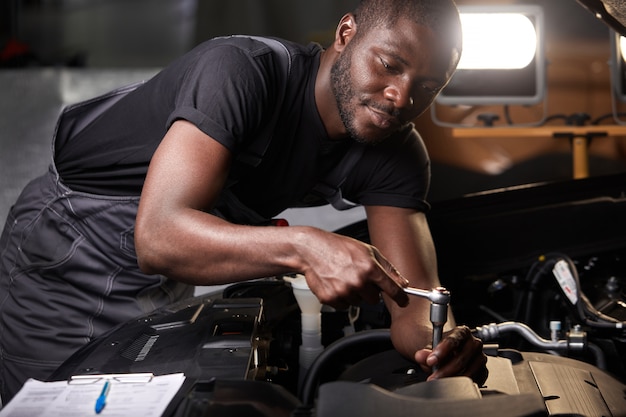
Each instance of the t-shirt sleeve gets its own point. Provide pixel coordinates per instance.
(224, 90)
(394, 173)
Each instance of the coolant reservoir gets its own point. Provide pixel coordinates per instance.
(311, 315)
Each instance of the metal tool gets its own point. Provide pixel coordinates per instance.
(439, 301)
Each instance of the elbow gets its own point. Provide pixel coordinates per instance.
(147, 263)
(147, 250)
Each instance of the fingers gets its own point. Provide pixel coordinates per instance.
(459, 353)
(421, 357)
(392, 282)
(353, 273)
(478, 370)
(388, 268)
(345, 297)
(342, 293)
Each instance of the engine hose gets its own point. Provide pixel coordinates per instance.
(496, 330)
(308, 388)
(598, 354)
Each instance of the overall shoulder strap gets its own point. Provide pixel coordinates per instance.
(330, 186)
(254, 153)
(229, 206)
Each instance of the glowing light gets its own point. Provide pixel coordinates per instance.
(497, 41)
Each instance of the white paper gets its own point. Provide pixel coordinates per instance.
(60, 399)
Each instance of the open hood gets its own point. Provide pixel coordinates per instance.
(611, 12)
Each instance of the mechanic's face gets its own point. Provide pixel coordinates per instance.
(386, 78)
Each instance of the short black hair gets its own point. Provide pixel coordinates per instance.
(441, 16)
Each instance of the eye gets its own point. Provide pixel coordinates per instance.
(430, 89)
(385, 64)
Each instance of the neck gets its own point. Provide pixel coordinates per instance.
(325, 99)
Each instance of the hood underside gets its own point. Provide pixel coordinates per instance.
(611, 12)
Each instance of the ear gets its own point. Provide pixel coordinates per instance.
(346, 29)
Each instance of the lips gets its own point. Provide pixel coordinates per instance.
(381, 119)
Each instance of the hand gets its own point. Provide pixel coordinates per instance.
(459, 353)
(342, 271)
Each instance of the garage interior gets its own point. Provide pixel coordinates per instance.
(504, 194)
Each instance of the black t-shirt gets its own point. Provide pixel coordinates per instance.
(227, 87)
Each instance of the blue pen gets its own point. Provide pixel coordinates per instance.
(102, 399)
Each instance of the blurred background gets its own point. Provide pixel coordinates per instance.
(56, 52)
(150, 33)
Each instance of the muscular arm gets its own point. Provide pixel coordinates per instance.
(175, 235)
(403, 236)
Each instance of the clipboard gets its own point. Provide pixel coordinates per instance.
(142, 394)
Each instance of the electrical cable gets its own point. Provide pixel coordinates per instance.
(585, 308)
(615, 113)
(600, 119)
(507, 115)
(556, 117)
(534, 278)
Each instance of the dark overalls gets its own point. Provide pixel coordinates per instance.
(68, 273)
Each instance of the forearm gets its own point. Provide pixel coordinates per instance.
(201, 249)
(198, 248)
(404, 238)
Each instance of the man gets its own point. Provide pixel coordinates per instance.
(154, 194)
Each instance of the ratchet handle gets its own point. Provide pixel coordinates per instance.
(439, 300)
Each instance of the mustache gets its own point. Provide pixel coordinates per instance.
(388, 109)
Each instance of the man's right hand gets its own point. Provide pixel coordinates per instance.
(342, 271)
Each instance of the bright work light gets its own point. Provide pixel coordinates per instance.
(503, 57)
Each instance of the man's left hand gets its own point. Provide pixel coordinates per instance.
(458, 353)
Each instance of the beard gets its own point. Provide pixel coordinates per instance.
(344, 92)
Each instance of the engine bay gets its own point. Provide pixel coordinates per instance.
(549, 306)
(240, 352)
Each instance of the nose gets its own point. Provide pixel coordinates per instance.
(400, 95)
